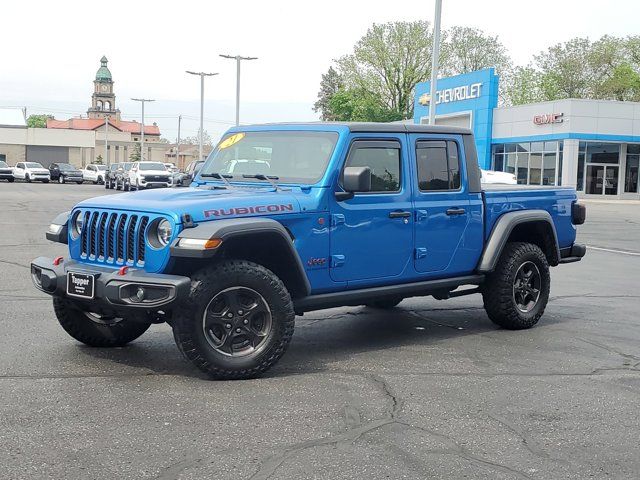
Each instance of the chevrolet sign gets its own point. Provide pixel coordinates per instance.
(455, 94)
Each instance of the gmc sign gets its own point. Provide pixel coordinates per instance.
(548, 118)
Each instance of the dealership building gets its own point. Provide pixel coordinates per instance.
(592, 145)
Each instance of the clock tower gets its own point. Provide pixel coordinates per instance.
(103, 100)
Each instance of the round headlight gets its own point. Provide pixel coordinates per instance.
(78, 223)
(164, 232)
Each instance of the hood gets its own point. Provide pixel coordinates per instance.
(38, 170)
(202, 204)
(154, 172)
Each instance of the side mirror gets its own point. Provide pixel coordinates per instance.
(356, 179)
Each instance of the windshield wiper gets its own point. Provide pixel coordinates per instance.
(268, 178)
(219, 176)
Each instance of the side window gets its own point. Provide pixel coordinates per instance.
(438, 165)
(383, 158)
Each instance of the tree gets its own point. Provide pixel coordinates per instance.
(134, 156)
(520, 86)
(98, 160)
(376, 82)
(387, 62)
(330, 85)
(195, 140)
(468, 49)
(38, 121)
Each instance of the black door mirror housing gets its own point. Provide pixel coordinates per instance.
(355, 179)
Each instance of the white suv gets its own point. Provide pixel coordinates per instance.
(149, 175)
(95, 173)
(30, 171)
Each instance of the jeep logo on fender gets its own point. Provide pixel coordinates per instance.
(222, 212)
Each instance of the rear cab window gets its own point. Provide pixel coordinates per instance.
(438, 165)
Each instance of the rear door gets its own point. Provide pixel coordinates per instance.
(372, 233)
(442, 206)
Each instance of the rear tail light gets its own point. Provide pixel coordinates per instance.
(578, 213)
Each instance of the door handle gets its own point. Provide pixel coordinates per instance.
(456, 211)
(399, 214)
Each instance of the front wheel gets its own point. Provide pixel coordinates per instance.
(11, 179)
(27, 178)
(60, 179)
(516, 293)
(237, 322)
(96, 330)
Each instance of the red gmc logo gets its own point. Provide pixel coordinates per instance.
(225, 212)
(548, 118)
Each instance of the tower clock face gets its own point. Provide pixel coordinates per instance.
(103, 88)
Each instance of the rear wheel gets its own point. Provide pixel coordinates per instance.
(516, 293)
(96, 330)
(237, 322)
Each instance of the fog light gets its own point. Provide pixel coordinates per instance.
(140, 294)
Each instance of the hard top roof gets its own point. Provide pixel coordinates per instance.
(364, 127)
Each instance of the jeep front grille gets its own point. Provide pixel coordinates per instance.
(116, 238)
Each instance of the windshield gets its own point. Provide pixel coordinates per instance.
(65, 166)
(295, 157)
(33, 165)
(151, 166)
(101, 168)
(3, 164)
(127, 166)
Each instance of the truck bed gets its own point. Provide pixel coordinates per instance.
(500, 199)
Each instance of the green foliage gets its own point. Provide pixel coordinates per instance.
(38, 121)
(98, 160)
(195, 140)
(376, 81)
(134, 156)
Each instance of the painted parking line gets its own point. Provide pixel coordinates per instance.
(623, 252)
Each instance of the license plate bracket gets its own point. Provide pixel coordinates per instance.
(82, 285)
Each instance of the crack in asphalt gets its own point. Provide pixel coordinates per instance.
(269, 466)
(527, 441)
(16, 264)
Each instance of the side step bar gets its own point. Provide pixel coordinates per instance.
(360, 296)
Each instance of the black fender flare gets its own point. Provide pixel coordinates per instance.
(233, 228)
(61, 220)
(503, 228)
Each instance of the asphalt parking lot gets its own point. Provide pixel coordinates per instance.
(428, 390)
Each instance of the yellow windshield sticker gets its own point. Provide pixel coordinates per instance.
(232, 140)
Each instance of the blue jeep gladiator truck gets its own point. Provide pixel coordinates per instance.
(288, 218)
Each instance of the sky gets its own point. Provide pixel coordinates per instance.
(51, 50)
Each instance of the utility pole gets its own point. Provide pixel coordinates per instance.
(178, 142)
(434, 62)
(202, 75)
(238, 59)
(142, 101)
(106, 142)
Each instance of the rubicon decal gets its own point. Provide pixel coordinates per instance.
(228, 212)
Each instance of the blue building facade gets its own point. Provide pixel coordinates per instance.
(466, 100)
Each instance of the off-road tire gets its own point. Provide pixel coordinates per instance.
(188, 320)
(385, 303)
(498, 288)
(82, 328)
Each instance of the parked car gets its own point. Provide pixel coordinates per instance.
(149, 175)
(6, 172)
(95, 173)
(31, 171)
(184, 179)
(122, 176)
(110, 176)
(493, 177)
(349, 214)
(65, 172)
(171, 168)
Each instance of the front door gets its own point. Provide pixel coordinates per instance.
(444, 210)
(372, 233)
(602, 180)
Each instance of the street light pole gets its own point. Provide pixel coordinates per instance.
(238, 59)
(142, 101)
(106, 142)
(434, 62)
(178, 143)
(202, 75)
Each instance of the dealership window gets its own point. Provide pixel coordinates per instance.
(535, 163)
(631, 171)
(598, 168)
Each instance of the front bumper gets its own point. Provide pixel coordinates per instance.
(113, 291)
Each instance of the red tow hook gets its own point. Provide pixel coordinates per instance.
(123, 270)
(57, 261)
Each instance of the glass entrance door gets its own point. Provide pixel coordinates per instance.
(602, 180)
